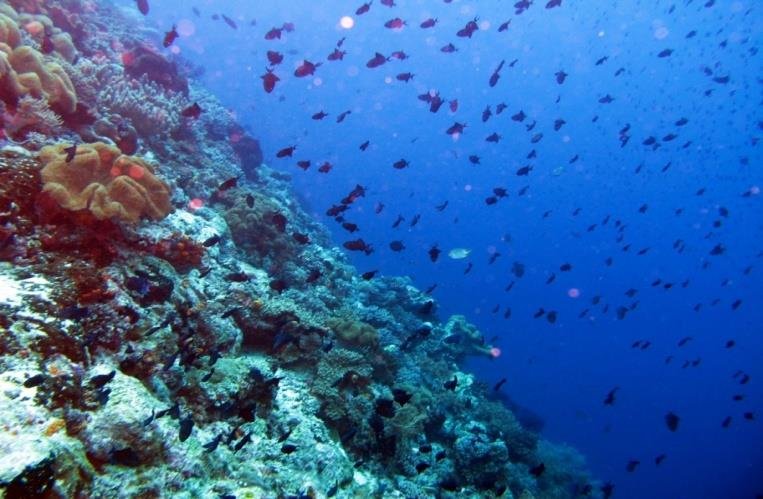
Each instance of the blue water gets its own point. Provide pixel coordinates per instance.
(561, 371)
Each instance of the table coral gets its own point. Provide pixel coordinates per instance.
(101, 179)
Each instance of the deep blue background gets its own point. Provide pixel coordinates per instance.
(561, 371)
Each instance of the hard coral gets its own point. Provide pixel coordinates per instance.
(107, 183)
(355, 331)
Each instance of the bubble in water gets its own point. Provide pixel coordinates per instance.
(347, 22)
(185, 27)
(661, 33)
(573, 292)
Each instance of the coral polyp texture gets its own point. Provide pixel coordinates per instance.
(101, 179)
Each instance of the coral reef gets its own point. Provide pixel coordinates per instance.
(225, 347)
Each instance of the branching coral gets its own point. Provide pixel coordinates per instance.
(107, 183)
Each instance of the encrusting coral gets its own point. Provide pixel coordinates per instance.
(101, 179)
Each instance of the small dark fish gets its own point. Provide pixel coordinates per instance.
(228, 184)
(35, 380)
(70, 152)
(237, 277)
(241, 443)
(230, 22)
(429, 23)
(496, 74)
(286, 152)
(208, 376)
(422, 467)
(307, 68)
(364, 145)
(449, 49)
(400, 164)
(278, 285)
(376, 61)
(359, 245)
(143, 6)
(193, 111)
(538, 470)
(504, 26)
(186, 426)
(343, 115)
(279, 222)
(367, 276)
(524, 171)
(211, 241)
(274, 57)
(659, 459)
(288, 448)
(170, 37)
(610, 399)
(671, 420)
(665, 53)
(350, 227)
(456, 128)
(434, 253)
(632, 465)
(150, 419)
(396, 246)
(451, 384)
(100, 380)
(269, 80)
(498, 385)
(363, 9)
(212, 444)
(469, 29)
(395, 23)
(301, 238)
(274, 33)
